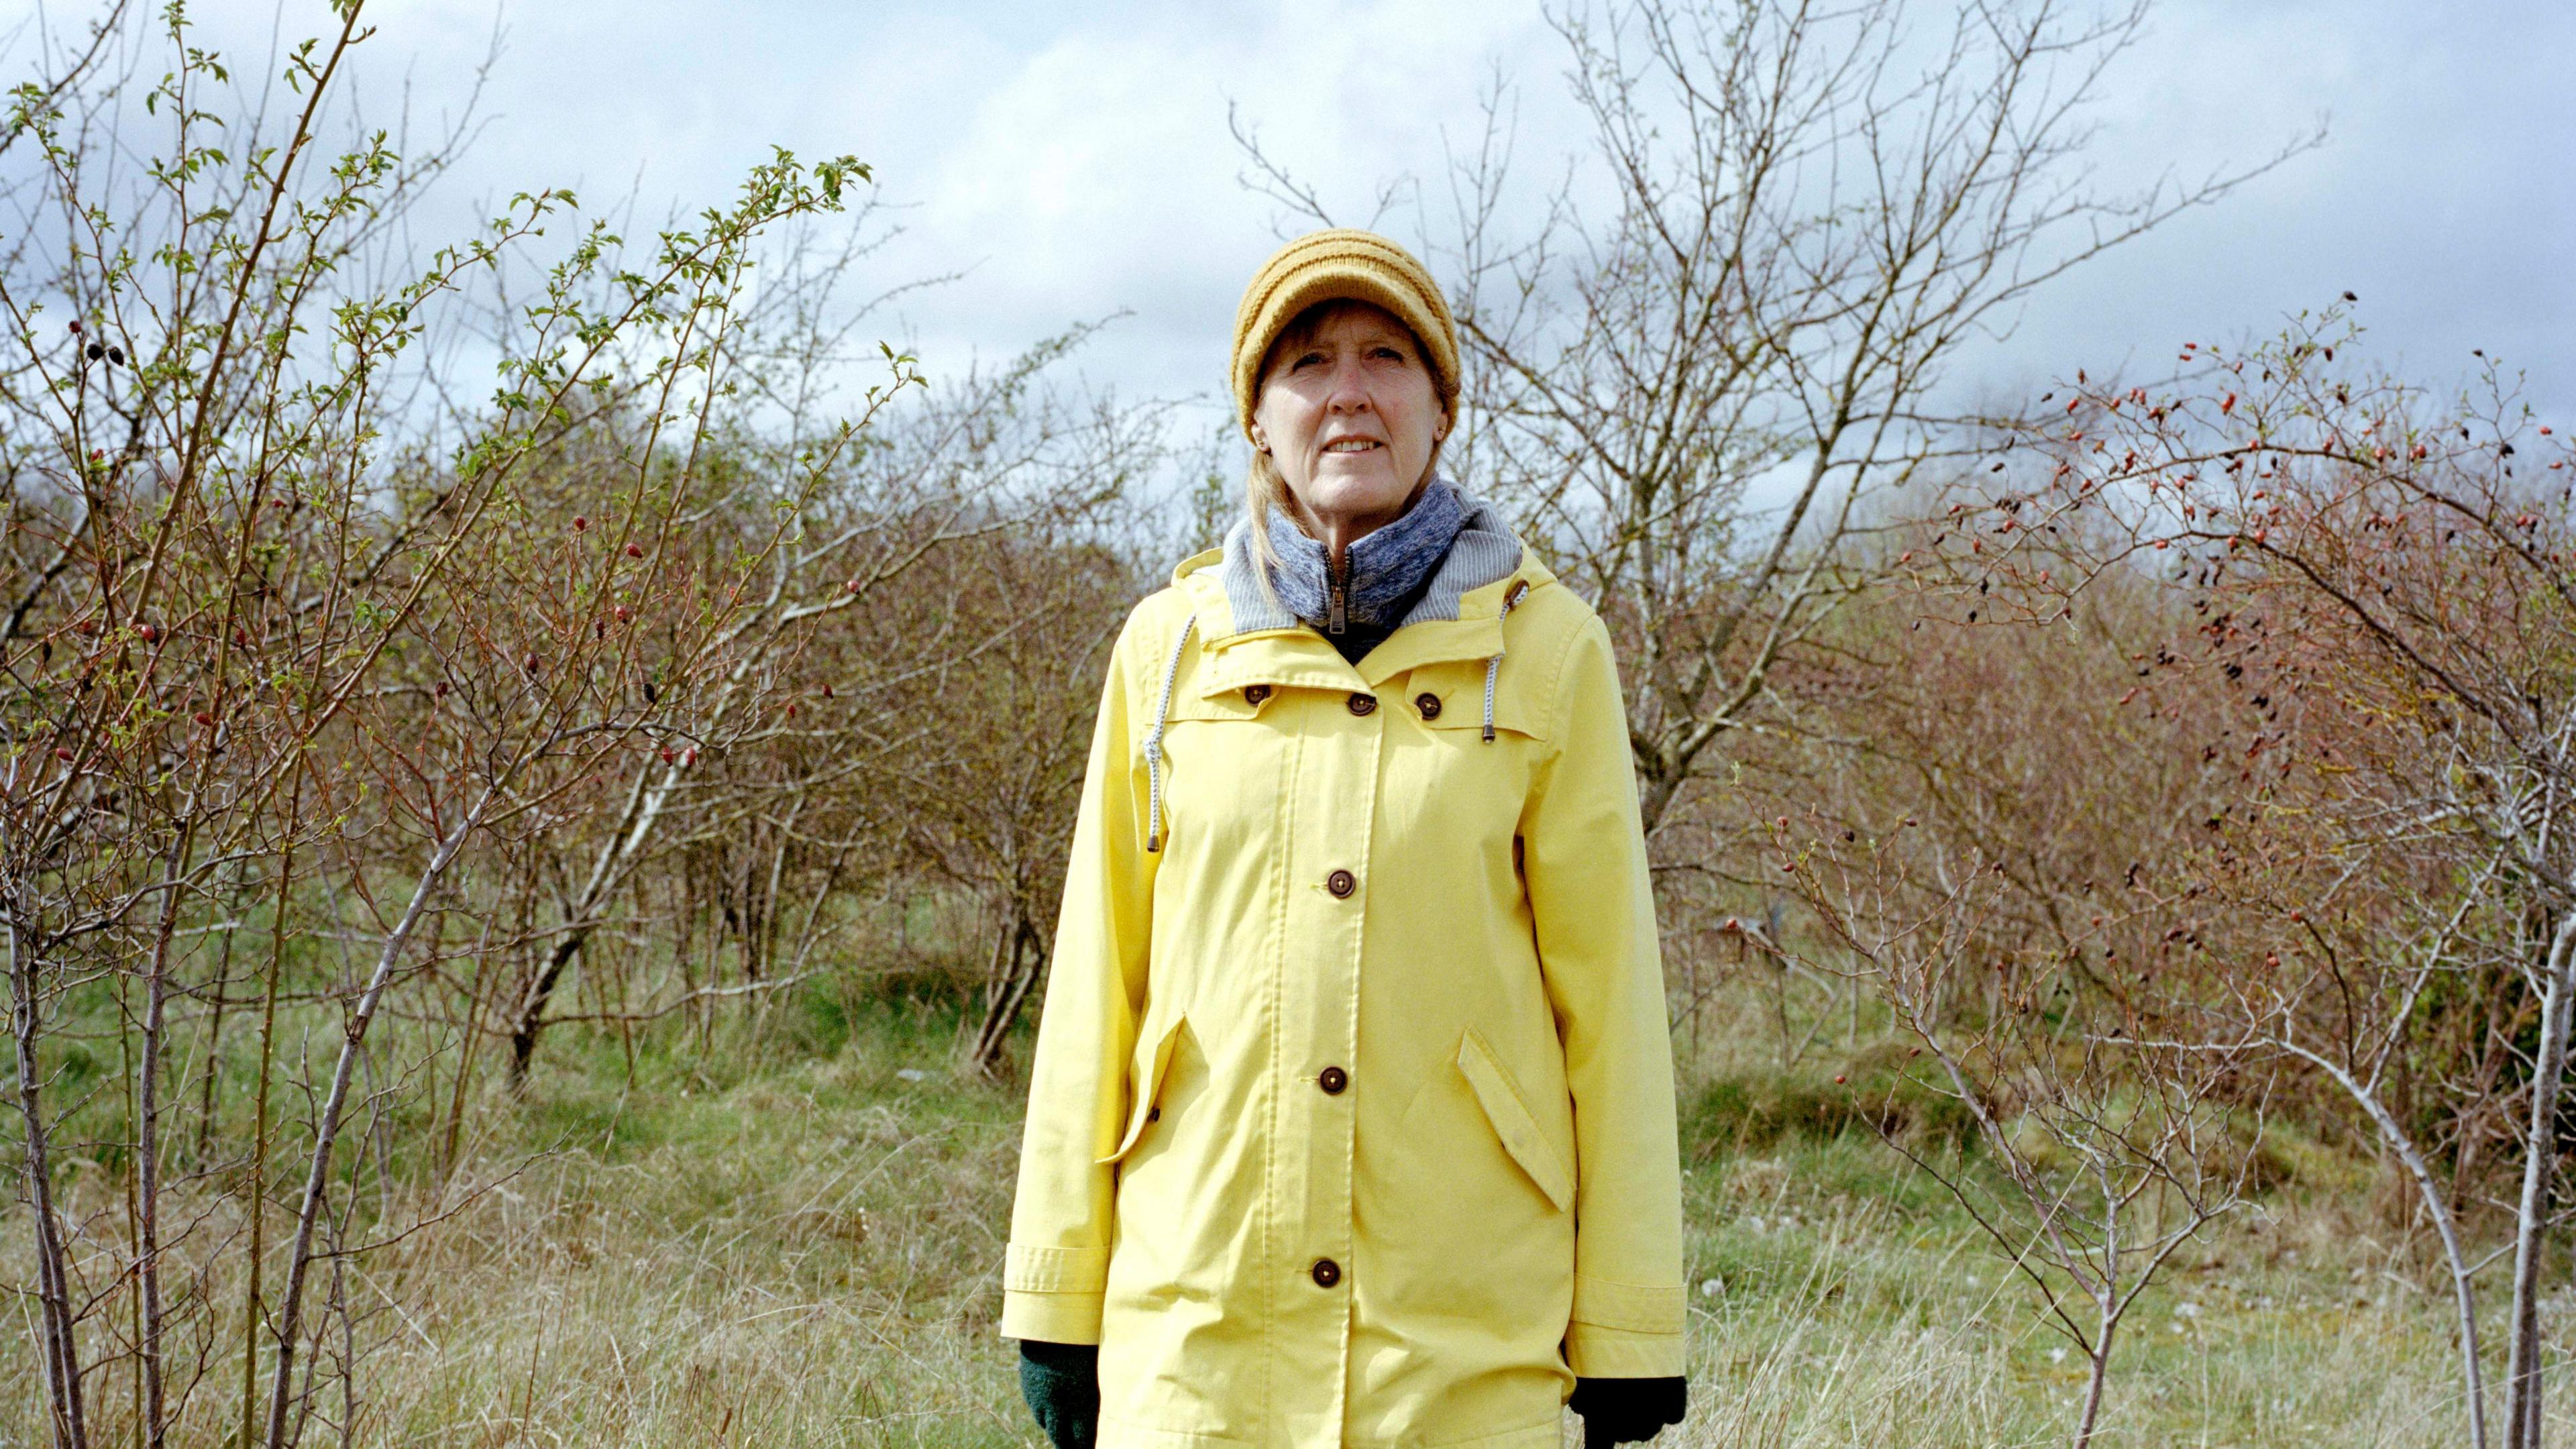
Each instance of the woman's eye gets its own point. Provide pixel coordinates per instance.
(1306, 359)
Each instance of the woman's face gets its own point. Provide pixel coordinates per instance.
(1349, 415)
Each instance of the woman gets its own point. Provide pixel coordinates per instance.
(1351, 1120)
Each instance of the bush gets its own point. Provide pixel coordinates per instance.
(1756, 1113)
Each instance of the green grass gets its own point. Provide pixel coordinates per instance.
(775, 1237)
(1838, 1300)
(774, 1246)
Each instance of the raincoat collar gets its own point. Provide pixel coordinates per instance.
(1389, 573)
(1294, 656)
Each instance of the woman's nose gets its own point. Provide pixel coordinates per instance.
(1350, 387)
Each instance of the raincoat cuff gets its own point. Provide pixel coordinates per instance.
(1594, 1352)
(1028, 1269)
(1051, 1317)
(1651, 1309)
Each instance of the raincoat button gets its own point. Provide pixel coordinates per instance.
(1429, 704)
(1255, 693)
(1363, 704)
(1332, 1080)
(1341, 883)
(1327, 1272)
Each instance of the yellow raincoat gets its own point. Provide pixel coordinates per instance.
(1351, 1120)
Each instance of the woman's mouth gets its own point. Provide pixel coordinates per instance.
(1352, 445)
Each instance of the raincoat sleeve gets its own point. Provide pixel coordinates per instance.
(1056, 1268)
(1593, 906)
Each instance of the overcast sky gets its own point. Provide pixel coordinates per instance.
(1074, 158)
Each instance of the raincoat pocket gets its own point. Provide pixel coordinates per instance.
(1149, 1090)
(1512, 1121)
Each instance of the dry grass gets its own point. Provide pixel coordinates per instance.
(808, 1255)
(803, 1251)
(1854, 1310)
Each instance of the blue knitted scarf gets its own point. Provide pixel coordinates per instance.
(1415, 567)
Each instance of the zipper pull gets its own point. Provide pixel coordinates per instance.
(1335, 622)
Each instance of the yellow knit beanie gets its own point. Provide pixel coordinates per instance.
(1343, 264)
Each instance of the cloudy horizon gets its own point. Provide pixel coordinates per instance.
(1076, 165)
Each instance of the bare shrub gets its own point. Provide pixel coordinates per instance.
(2379, 582)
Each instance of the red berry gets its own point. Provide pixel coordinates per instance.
(2228, 406)
(149, 633)
(1838, 1079)
(205, 719)
(62, 754)
(634, 550)
(852, 586)
(579, 523)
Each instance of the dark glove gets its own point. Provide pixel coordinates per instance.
(1061, 1381)
(1627, 1411)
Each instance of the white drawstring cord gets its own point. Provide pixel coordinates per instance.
(1154, 741)
(1494, 665)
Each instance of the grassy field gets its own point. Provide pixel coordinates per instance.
(794, 1239)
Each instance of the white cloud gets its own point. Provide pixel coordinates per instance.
(1099, 174)
(1077, 157)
